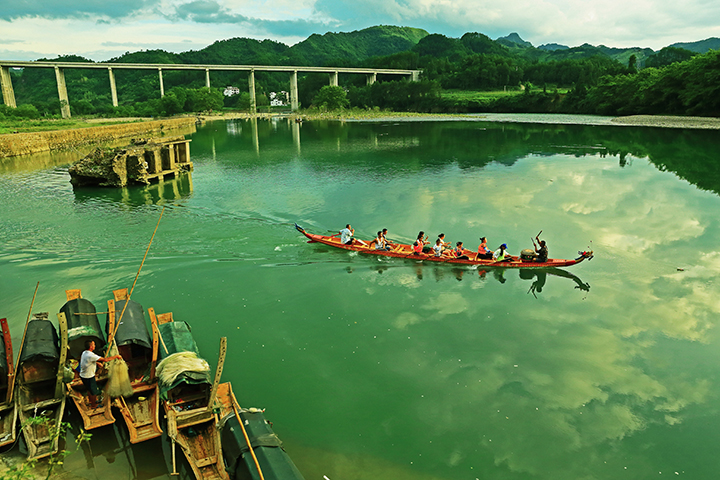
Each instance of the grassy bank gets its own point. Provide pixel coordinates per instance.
(17, 125)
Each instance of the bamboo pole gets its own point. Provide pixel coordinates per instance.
(247, 439)
(11, 381)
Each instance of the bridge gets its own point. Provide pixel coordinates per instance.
(60, 67)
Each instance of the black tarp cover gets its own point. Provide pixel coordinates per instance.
(274, 461)
(177, 337)
(133, 328)
(82, 327)
(41, 342)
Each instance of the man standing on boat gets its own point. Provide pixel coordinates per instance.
(88, 365)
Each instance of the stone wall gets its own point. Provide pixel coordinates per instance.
(15, 144)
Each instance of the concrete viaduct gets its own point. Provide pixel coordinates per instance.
(59, 67)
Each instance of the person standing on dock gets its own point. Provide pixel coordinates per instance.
(88, 365)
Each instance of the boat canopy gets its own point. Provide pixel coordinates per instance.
(182, 358)
(272, 458)
(132, 329)
(41, 342)
(83, 325)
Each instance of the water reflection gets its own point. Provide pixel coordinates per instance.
(440, 273)
(165, 191)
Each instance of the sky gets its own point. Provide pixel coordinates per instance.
(101, 29)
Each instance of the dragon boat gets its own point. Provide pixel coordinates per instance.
(401, 250)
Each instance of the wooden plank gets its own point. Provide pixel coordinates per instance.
(8, 358)
(204, 462)
(120, 294)
(164, 318)
(111, 322)
(62, 323)
(155, 334)
(39, 405)
(73, 294)
(218, 372)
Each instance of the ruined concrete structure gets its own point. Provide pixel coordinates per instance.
(140, 162)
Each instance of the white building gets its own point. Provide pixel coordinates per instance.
(230, 91)
(278, 99)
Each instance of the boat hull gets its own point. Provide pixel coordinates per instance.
(405, 251)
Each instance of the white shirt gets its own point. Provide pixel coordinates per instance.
(438, 249)
(345, 235)
(88, 364)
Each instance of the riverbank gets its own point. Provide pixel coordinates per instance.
(660, 121)
(17, 144)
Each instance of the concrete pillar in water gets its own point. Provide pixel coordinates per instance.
(7, 89)
(251, 87)
(371, 78)
(62, 92)
(113, 89)
(294, 101)
(295, 125)
(334, 79)
(162, 87)
(207, 77)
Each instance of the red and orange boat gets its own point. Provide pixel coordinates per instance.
(401, 250)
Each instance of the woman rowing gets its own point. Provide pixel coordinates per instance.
(483, 252)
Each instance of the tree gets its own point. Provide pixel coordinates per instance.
(331, 98)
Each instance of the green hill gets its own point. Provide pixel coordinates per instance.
(712, 43)
(344, 49)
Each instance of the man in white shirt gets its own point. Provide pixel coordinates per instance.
(88, 366)
(346, 235)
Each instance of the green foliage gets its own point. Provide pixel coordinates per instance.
(667, 56)
(331, 98)
(27, 470)
(400, 96)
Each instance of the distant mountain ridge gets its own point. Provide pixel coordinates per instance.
(701, 46)
(354, 48)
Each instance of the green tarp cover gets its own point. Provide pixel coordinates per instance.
(177, 338)
(133, 328)
(41, 342)
(82, 327)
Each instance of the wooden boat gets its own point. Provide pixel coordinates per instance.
(83, 325)
(39, 395)
(8, 413)
(250, 447)
(140, 351)
(188, 398)
(401, 250)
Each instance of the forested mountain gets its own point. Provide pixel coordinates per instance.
(596, 75)
(346, 49)
(702, 46)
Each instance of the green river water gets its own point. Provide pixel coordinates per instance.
(374, 368)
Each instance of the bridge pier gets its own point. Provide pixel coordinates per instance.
(251, 86)
(7, 89)
(207, 77)
(162, 87)
(294, 101)
(371, 78)
(113, 89)
(62, 92)
(334, 79)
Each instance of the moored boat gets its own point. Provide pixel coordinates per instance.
(401, 250)
(83, 325)
(186, 393)
(251, 448)
(139, 351)
(39, 395)
(8, 413)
